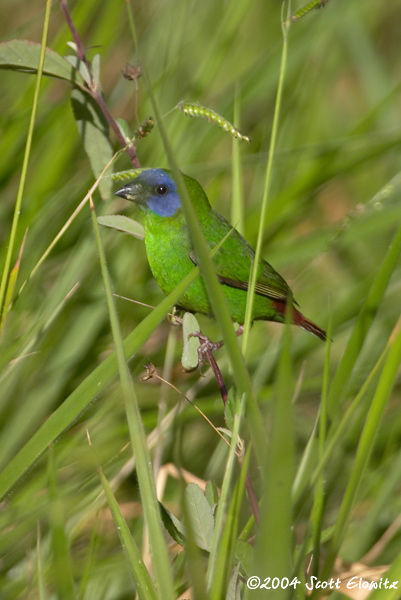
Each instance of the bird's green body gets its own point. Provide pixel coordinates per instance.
(171, 256)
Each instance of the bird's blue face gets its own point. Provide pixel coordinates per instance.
(154, 189)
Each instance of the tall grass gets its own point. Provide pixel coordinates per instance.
(322, 431)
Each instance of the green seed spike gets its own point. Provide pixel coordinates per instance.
(126, 175)
(196, 110)
(146, 127)
(307, 8)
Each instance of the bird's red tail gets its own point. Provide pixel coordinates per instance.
(299, 319)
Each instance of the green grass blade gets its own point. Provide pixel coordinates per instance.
(143, 583)
(61, 568)
(237, 195)
(318, 501)
(21, 187)
(366, 443)
(41, 579)
(161, 562)
(276, 514)
(393, 586)
(337, 430)
(226, 547)
(362, 326)
(91, 556)
(89, 389)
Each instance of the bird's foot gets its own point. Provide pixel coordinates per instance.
(206, 348)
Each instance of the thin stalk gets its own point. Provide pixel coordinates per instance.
(219, 518)
(68, 222)
(21, 187)
(266, 192)
(94, 90)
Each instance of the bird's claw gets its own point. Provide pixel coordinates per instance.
(206, 346)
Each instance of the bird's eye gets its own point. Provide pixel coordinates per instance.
(161, 190)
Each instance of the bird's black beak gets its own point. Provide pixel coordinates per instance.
(129, 191)
(122, 193)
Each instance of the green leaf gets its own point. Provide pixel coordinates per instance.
(190, 357)
(244, 553)
(124, 224)
(80, 66)
(229, 409)
(124, 127)
(94, 130)
(96, 69)
(201, 516)
(233, 590)
(175, 528)
(23, 55)
(212, 494)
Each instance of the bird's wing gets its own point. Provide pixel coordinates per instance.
(270, 284)
(233, 261)
(261, 288)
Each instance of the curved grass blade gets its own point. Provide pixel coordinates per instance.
(90, 388)
(160, 562)
(61, 565)
(143, 583)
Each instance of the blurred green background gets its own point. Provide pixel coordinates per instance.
(330, 219)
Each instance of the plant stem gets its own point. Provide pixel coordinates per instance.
(18, 203)
(94, 90)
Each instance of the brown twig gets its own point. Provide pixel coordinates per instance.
(93, 88)
(252, 499)
(152, 373)
(217, 373)
(223, 391)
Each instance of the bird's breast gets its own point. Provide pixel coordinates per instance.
(168, 249)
